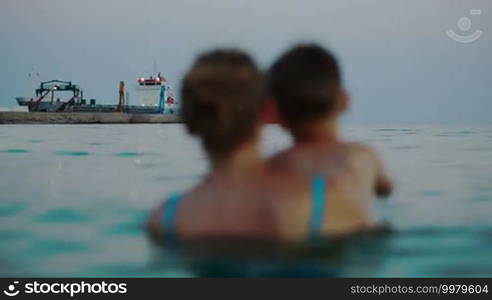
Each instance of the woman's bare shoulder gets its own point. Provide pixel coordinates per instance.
(155, 225)
(279, 159)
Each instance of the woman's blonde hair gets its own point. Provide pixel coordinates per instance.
(222, 98)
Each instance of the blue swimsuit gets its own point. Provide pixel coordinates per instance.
(315, 225)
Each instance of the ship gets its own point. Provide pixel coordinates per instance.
(154, 96)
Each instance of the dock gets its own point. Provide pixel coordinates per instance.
(85, 118)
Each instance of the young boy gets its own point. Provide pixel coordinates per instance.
(306, 84)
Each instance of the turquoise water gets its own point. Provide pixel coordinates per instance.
(73, 199)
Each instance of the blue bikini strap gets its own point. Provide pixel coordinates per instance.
(169, 215)
(318, 207)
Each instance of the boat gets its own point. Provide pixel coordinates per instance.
(154, 96)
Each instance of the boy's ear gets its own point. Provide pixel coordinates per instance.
(343, 101)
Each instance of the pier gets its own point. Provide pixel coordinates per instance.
(84, 118)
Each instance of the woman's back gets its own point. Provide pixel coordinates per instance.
(263, 204)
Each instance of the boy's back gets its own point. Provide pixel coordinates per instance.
(354, 174)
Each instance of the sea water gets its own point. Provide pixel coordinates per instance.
(74, 198)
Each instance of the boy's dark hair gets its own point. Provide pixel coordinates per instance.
(305, 82)
(222, 95)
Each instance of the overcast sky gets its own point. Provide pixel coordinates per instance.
(398, 62)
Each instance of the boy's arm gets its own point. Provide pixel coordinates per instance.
(384, 183)
(154, 226)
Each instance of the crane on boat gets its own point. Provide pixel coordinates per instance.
(50, 87)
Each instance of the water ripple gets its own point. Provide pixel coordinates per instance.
(176, 177)
(481, 198)
(64, 216)
(35, 141)
(395, 130)
(432, 193)
(72, 153)
(457, 133)
(406, 147)
(478, 149)
(53, 247)
(14, 151)
(128, 154)
(10, 210)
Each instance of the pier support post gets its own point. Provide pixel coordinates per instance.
(121, 103)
